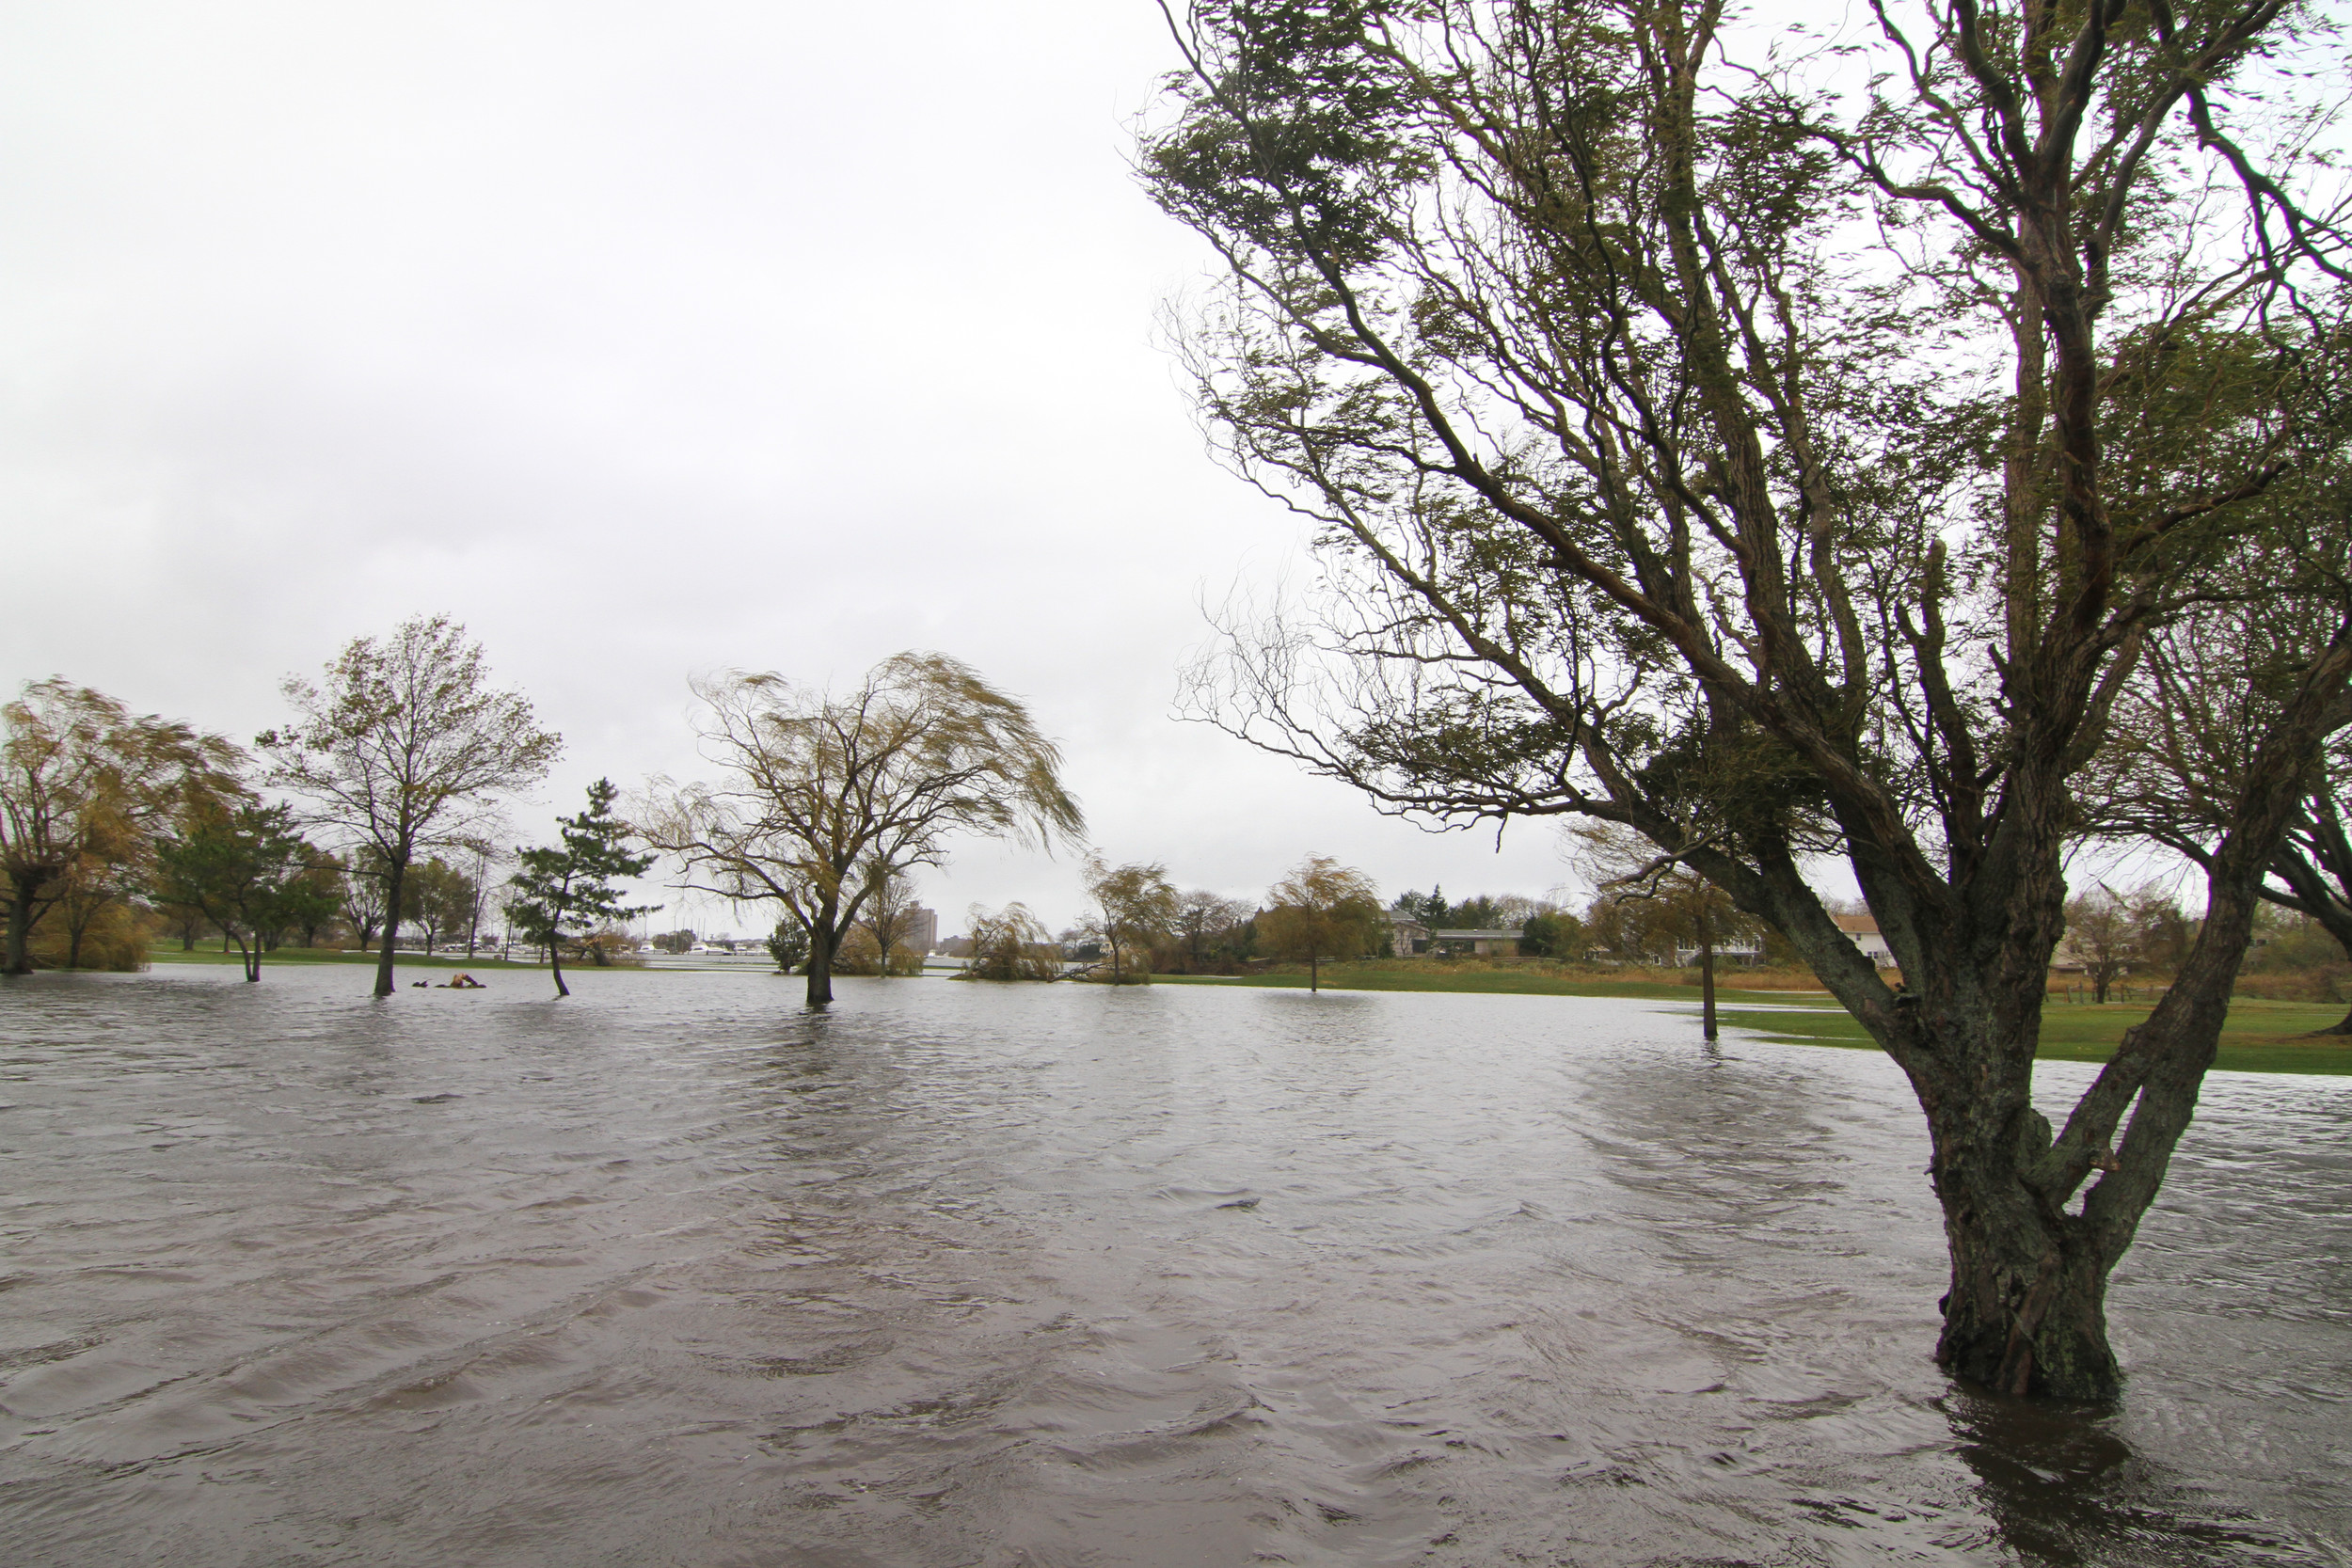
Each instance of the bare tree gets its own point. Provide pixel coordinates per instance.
(2191, 727)
(1203, 917)
(84, 786)
(889, 915)
(364, 893)
(407, 746)
(1782, 456)
(817, 792)
(2103, 937)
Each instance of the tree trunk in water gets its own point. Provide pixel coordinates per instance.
(391, 926)
(1706, 976)
(1314, 972)
(821, 944)
(20, 928)
(2026, 1310)
(555, 960)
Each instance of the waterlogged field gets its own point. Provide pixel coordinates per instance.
(676, 1272)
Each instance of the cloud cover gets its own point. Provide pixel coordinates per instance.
(642, 341)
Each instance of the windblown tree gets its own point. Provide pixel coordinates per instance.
(1135, 908)
(1010, 943)
(246, 868)
(1322, 910)
(405, 749)
(819, 793)
(84, 786)
(564, 892)
(1786, 457)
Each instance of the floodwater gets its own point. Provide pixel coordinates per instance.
(676, 1272)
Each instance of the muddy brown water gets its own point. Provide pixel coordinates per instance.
(676, 1272)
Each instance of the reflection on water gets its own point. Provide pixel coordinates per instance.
(676, 1272)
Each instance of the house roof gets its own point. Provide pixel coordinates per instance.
(1857, 924)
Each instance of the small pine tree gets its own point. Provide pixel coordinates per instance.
(569, 887)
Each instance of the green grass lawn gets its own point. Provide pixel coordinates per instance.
(1497, 982)
(2260, 1037)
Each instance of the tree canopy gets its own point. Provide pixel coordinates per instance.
(1782, 453)
(818, 793)
(406, 747)
(84, 786)
(1322, 910)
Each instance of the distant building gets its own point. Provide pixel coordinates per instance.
(922, 928)
(1863, 930)
(1746, 950)
(1410, 938)
(1407, 935)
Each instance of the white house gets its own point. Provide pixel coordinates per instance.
(1863, 930)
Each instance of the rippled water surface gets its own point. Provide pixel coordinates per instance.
(675, 1273)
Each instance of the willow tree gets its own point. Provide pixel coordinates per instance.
(85, 784)
(1785, 454)
(820, 797)
(1321, 909)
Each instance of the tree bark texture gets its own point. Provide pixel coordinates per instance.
(20, 928)
(395, 875)
(821, 941)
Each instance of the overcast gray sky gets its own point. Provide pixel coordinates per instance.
(643, 341)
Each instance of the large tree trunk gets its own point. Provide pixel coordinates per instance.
(820, 946)
(395, 878)
(20, 925)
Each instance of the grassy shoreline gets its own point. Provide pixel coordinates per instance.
(2258, 1037)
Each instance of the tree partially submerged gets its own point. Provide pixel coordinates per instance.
(564, 892)
(1009, 944)
(817, 793)
(1777, 463)
(407, 746)
(85, 784)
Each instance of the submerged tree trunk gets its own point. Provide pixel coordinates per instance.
(555, 961)
(821, 946)
(393, 878)
(20, 926)
(1706, 975)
